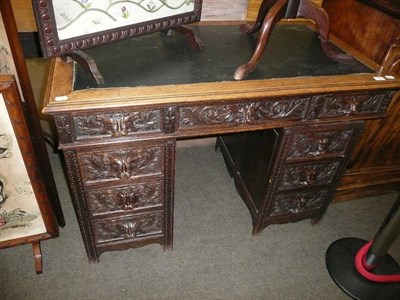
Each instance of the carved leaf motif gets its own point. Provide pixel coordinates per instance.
(128, 228)
(315, 144)
(125, 198)
(117, 124)
(63, 128)
(280, 109)
(120, 164)
(242, 113)
(306, 175)
(143, 162)
(295, 203)
(339, 105)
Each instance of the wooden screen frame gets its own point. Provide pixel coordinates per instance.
(12, 99)
(52, 46)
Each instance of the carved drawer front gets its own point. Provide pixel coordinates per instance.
(128, 228)
(119, 164)
(295, 176)
(135, 197)
(251, 112)
(336, 105)
(116, 124)
(332, 142)
(297, 202)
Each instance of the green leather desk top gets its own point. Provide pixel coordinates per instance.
(158, 59)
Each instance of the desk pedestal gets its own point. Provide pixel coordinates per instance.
(289, 174)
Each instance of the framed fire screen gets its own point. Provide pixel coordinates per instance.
(66, 26)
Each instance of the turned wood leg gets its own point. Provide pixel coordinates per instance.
(310, 10)
(38, 257)
(276, 13)
(88, 64)
(266, 5)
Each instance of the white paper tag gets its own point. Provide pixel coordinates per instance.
(61, 98)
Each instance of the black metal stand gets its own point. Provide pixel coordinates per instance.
(340, 261)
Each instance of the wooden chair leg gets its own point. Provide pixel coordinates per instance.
(266, 5)
(310, 10)
(88, 64)
(193, 41)
(38, 257)
(276, 13)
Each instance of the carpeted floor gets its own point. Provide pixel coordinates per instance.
(214, 257)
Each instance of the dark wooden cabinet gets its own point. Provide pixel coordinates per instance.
(125, 188)
(289, 174)
(374, 34)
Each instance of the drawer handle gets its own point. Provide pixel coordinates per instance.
(130, 201)
(311, 176)
(354, 103)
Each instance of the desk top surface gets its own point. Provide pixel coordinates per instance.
(160, 70)
(158, 59)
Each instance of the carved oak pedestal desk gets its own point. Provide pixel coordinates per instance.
(297, 116)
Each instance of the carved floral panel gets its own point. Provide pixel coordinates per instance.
(128, 228)
(326, 106)
(297, 202)
(125, 199)
(297, 176)
(116, 124)
(120, 164)
(317, 144)
(243, 113)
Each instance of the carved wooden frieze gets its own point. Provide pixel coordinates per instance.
(319, 143)
(297, 202)
(243, 113)
(335, 105)
(116, 124)
(297, 176)
(125, 199)
(128, 227)
(120, 164)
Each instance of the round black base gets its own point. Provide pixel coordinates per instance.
(340, 258)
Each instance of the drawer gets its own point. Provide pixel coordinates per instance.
(307, 175)
(128, 228)
(132, 198)
(337, 105)
(116, 124)
(297, 202)
(329, 141)
(126, 163)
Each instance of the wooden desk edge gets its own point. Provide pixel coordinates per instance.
(60, 96)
